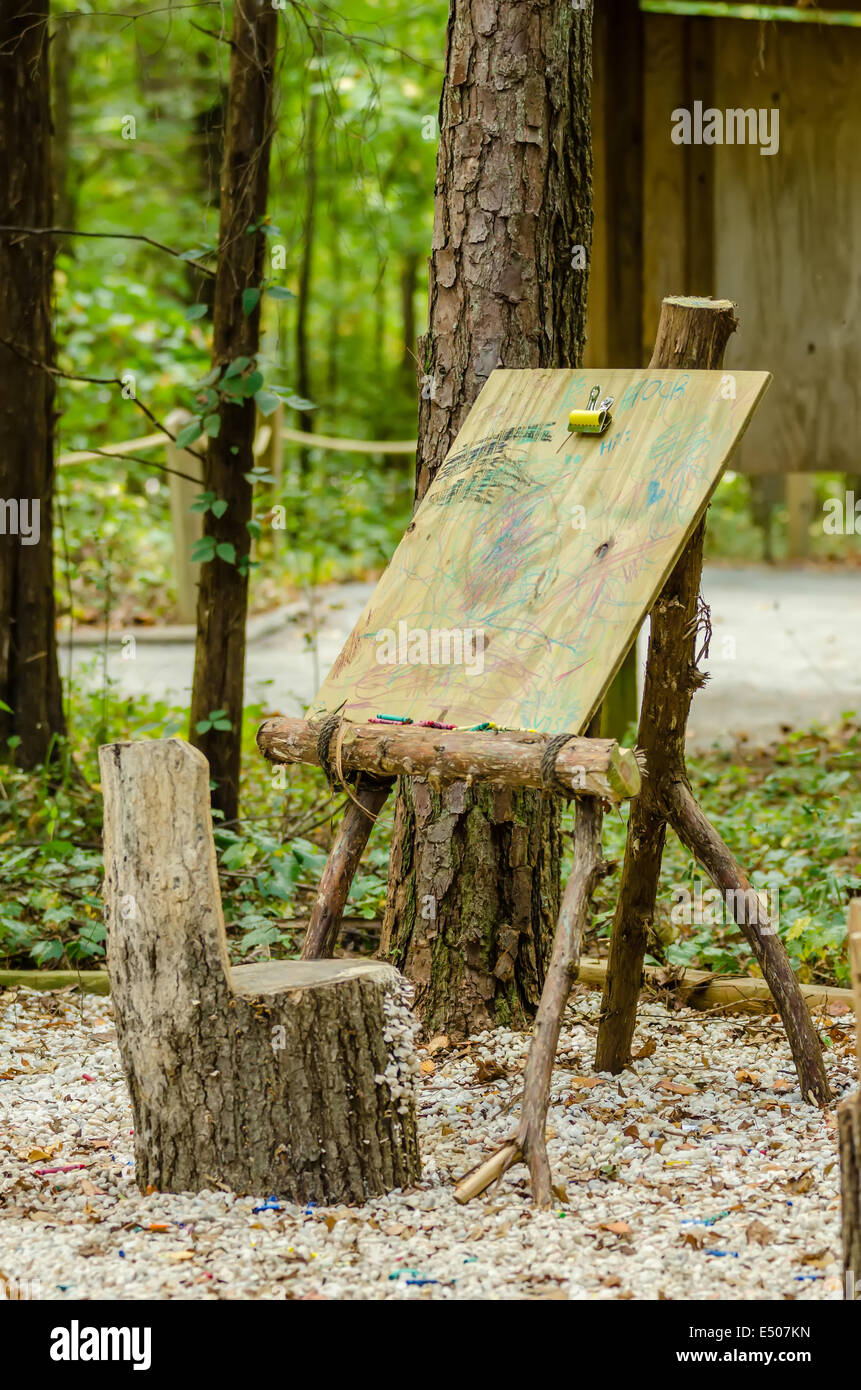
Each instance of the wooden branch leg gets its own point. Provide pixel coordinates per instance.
(699, 835)
(530, 1142)
(692, 333)
(561, 973)
(353, 834)
(635, 907)
(849, 1129)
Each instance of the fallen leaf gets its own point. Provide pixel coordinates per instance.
(781, 1084)
(619, 1228)
(747, 1078)
(836, 1008)
(758, 1234)
(584, 1083)
(489, 1070)
(802, 1183)
(677, 1087)
(647, 1050)
(695, 1239)
(428, 1067)
(438, 1043)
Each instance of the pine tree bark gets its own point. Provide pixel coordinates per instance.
(474, 878)
(29, 677)
(222, 603)
(292, 1077)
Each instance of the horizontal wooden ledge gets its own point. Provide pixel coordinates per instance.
(583, 766)
(696, 989)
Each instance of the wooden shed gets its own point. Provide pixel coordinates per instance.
(774, 225)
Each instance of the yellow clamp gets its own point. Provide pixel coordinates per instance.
(595, 418)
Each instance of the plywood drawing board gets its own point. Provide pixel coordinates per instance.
(536, 553)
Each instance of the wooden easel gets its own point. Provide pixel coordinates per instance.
(692, 335)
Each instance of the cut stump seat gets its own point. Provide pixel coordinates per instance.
(290, 1078)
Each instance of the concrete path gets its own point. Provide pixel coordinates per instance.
(786, 651)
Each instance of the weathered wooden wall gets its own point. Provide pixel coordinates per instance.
(777, 234)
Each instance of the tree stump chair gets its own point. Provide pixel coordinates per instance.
(292, 1078)
(554, 525)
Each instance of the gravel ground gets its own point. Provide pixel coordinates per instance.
(696, 1174)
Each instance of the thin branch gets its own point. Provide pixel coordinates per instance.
(149, 463)
(111, 236)
(95, 381)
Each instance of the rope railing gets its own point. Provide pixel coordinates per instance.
(309, 441)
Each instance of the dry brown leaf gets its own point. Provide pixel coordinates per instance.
(781, 1084)
(618, 1228)
(758, 1234)
(489, 1070)
(748, 1078)
(802, 1183)
(428, 1067)
(676, 1087)
(647, 1050)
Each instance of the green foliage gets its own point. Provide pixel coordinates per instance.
(793, 819)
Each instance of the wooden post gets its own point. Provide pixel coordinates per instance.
(799, 508)
(269, 443)
(293, 1077)
(187, 525)
(849, 1131)
(692, 334)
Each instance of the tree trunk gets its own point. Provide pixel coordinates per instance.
(474, 879)
(29, 677)
(64, 183)
(306, 265)
(291, 1078)
(222, 603)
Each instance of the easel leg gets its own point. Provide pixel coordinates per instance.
(691, 333)
(353, 834)
(530, 1143)
(696, 832)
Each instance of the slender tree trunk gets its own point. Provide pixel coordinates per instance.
(306, 267)
(474, 875)
(219, 661)
(65, 185)
(29, 678)
(409, 267)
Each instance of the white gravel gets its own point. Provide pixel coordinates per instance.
(697, 1174)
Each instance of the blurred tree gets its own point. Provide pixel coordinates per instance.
(31, 707)
(474, 875)
(219, 659)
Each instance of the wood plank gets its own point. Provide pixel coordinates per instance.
(787, 229)
(518, 586)
(663, 172)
